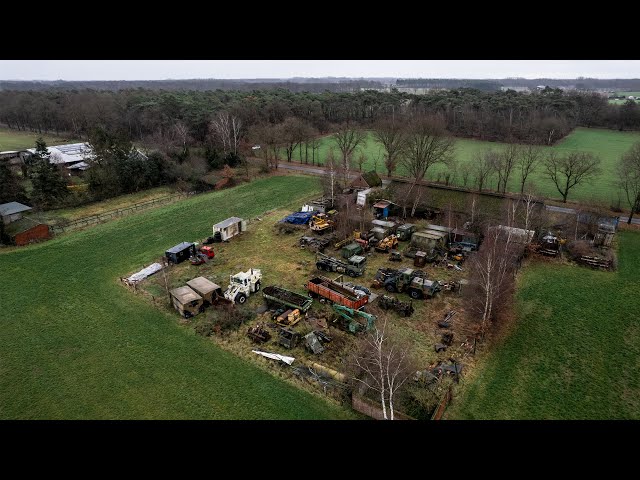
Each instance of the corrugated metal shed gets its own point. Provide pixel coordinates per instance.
(13, 207)
(70, 153)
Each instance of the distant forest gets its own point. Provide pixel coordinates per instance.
(538, 118)
(319, 85)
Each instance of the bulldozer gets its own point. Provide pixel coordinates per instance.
(321, 222)
(387, 244)
(346, 319)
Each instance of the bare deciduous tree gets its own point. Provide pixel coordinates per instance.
(383, 366)
(182, 133)
(228, 130)
(314, 143)
(492, 274)
(294, 132)
(504, 162)
(529, 158)
(268, 136)
(529, 202)
(330, 179)
(390, 133)
(570, 170)
(348, 138)
(629, 178)
(427, 144)
(361, 160)
(483, 167)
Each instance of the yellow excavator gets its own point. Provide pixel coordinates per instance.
(321, 223)
(387, 244)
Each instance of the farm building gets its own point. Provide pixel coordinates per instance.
(180, 252)
(230, 227)
(73, 156)
(12, 211)
(384, 208)
(26, 230)
(366, 180)
(186, 301)
(67, 155)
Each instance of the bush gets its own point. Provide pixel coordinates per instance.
(222, 319)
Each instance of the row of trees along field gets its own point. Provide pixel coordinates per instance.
(538, 118)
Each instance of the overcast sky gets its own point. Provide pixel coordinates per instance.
(176, 69)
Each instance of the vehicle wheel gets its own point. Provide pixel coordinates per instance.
(390, 288)
(257, 286)
(242, 298)
(319, 266)
(415, 294)
(352, 274)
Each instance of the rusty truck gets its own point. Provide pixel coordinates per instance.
(335, 292)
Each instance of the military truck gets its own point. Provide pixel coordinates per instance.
(413, 282)
(350, 250)
(388, 302)
(405, 231)
(242, 284)
(354, 266)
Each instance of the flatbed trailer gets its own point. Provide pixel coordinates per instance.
(336, 293)
(280, 296)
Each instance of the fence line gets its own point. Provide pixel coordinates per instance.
(444, 403)
(120, 212)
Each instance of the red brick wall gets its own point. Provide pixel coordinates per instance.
(36, 233)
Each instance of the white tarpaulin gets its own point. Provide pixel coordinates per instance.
(276, 356)
(145, 272)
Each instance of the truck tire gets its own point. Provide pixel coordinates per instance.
(257, 286)
(352, 274)
(390, 288)
(320, 266)
(241, 298)
(415, 294)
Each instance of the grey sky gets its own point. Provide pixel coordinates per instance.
(176, 69)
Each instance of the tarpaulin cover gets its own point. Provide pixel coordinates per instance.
(298, 218)
(145, 272)
(275, 356)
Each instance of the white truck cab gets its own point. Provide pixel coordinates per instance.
(242, 284)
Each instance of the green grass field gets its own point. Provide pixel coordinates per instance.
(76, 344)
(15, 140)
(574, 351)
(608, 144)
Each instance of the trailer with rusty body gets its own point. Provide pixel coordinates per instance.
(281, 297)
(336, 293)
